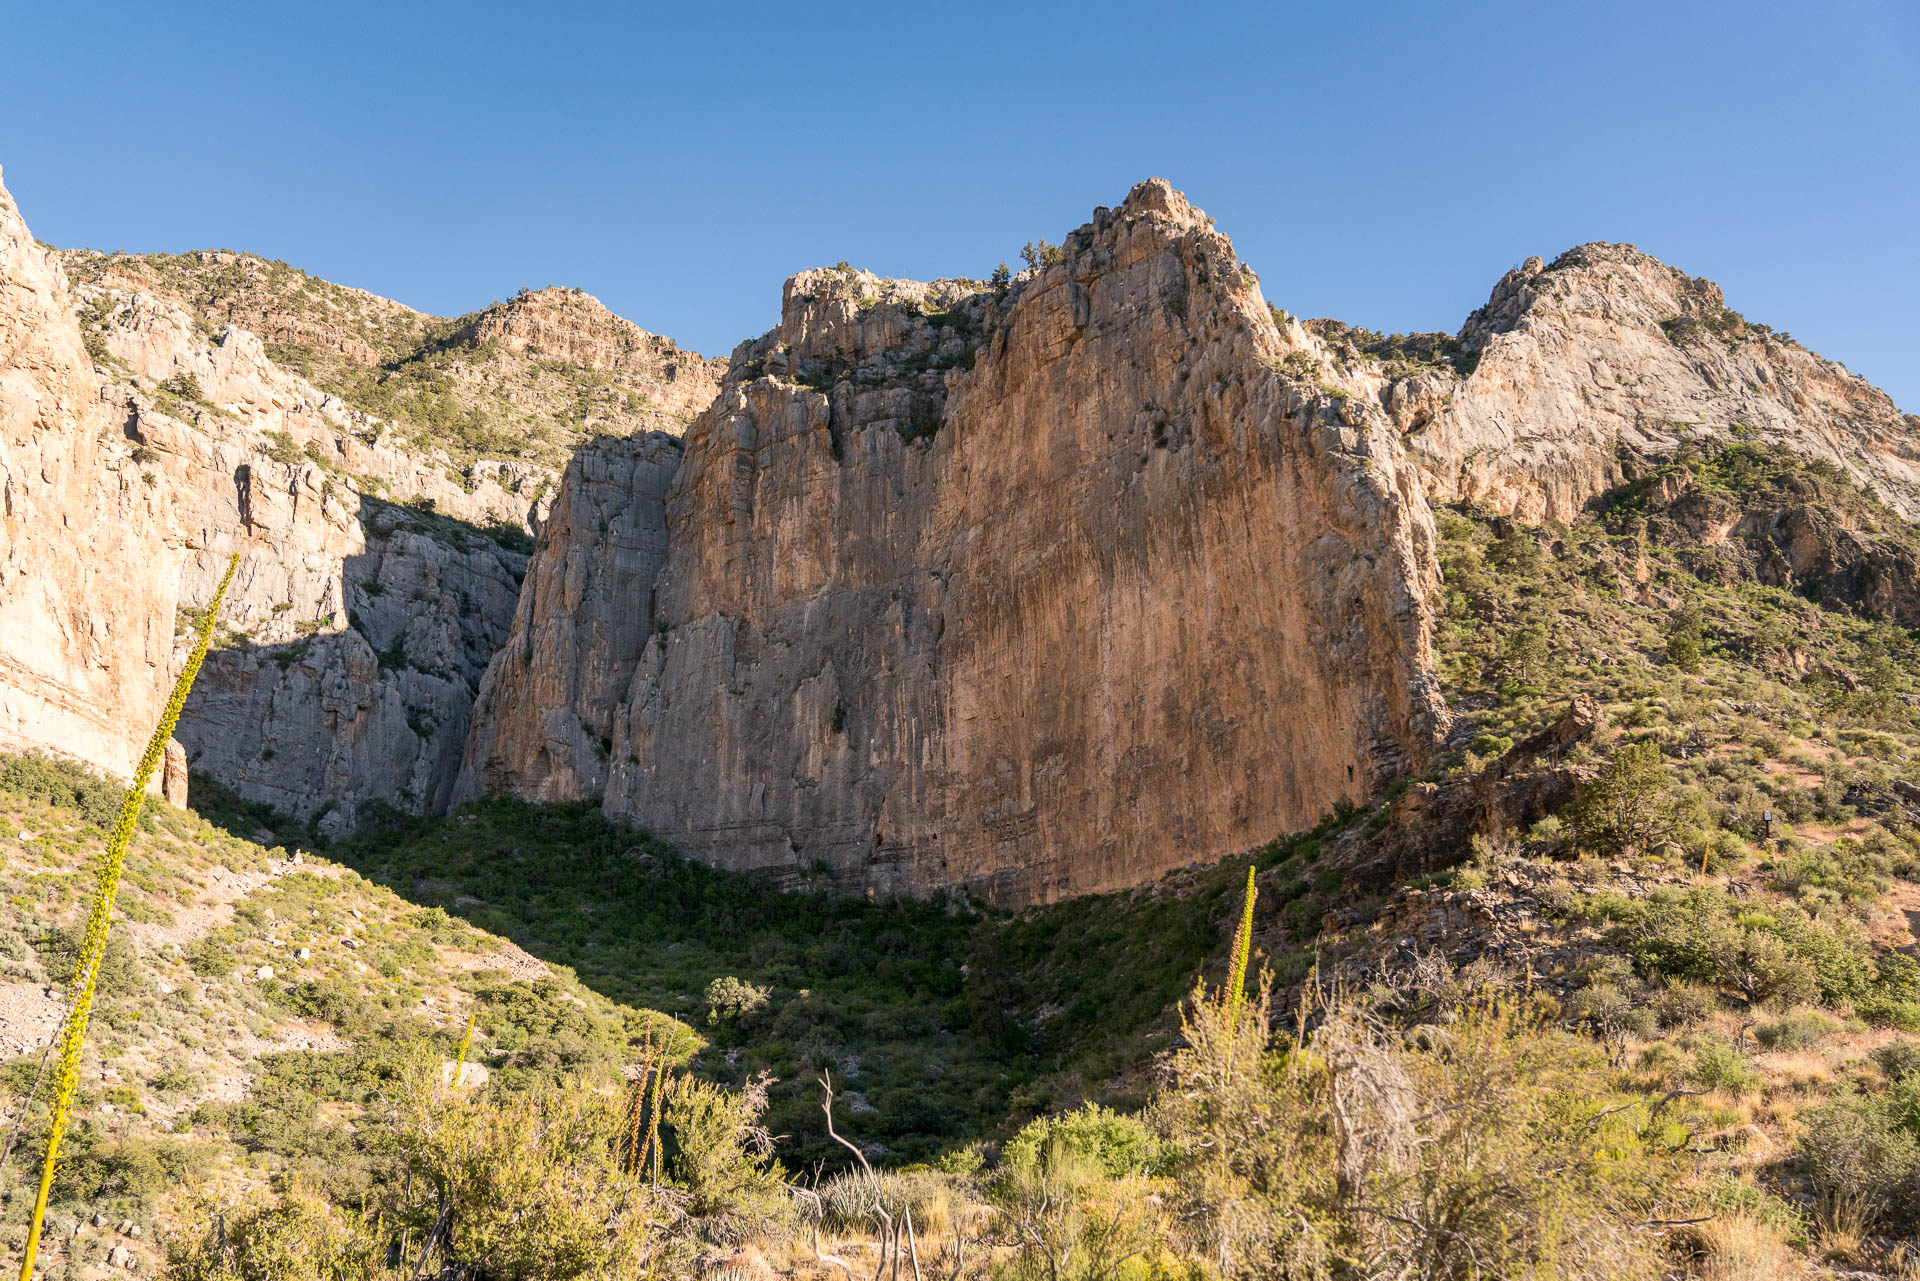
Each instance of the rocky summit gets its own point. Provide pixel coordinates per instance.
(1020, 588)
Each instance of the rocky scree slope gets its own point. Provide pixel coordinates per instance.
(1032, 592)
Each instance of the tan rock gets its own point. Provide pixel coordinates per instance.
(173, 775)
(1608, 352)
(86, 592)
(1043, 594)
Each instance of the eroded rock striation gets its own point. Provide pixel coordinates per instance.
(149, 436)
(1032, 591)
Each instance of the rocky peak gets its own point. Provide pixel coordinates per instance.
(572, 326)
(1575, 368)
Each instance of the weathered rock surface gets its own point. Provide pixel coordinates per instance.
(585, 616)
(85, 613)
(573, 326)
(1606, 354)
(1034, 593)
(377, 580)
(357, 629)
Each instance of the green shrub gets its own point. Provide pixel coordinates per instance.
(299, 1237)
(1628, 808)
(1111, 1142)
(1718, 1066)
(1866, 1150)
(67, 785)
(1796, 1031)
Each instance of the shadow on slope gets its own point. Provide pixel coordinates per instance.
(943, 1025)
(367, 706)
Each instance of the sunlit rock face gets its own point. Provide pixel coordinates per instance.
(1029, 591)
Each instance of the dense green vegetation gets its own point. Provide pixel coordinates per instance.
(948, 1021)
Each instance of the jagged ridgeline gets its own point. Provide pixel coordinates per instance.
(891, 714)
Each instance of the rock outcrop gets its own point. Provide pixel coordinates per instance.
(1033, 591)
(379, 575)
(572, 326)
(585, 617)
(1606, 355)
(86, 599)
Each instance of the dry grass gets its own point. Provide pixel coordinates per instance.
(1844, 1221)
(1736, 1247)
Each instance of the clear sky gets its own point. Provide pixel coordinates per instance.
(1382, 163)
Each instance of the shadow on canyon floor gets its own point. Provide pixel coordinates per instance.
(946, 1026)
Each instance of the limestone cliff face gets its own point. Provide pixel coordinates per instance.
(86, 620)
(147, 435)
(375, 583)
(1608, 354)
(546, 706)
(1034, 592)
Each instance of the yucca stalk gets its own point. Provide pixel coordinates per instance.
(87, 970)
(1242, 952)
(460, 1059)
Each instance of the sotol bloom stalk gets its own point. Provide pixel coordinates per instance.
(1242, 952)
(74, 1034)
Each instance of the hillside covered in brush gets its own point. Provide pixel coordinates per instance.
(1645, 913)
(1076, 773)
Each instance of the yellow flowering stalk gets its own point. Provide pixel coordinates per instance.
(460, 1060)
(1242, 951)
(74, 1034)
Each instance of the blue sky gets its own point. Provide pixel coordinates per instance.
(1381, 163)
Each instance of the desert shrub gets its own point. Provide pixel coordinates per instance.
(1628, 808)
(1864, 1151)
(729, 997)
(530, 1183)
(211, 956)
(1114, 1144)
(1680, 1003)
(18, 960)
(1718, 1066)
(1898, 1060)
(67, 785)
(299, 1237)
(94, 1166)
(1796, 1031)
(1470, 1150)
(717, 1150)
(119, 976)
(1783, 956)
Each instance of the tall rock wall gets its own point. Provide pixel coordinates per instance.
(1035, 592)
(144, 437)
(86, 602)
(545, 710)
